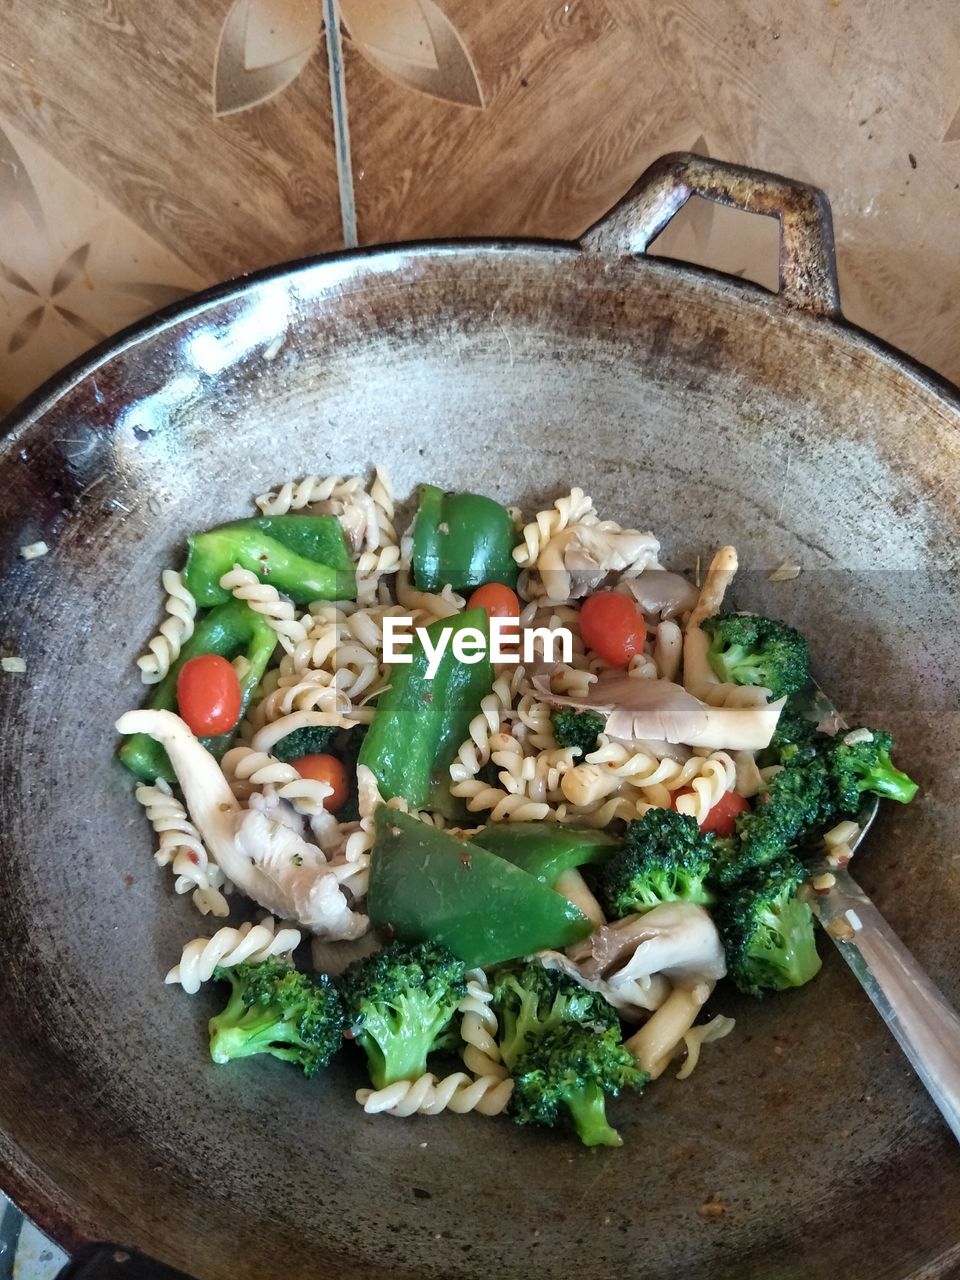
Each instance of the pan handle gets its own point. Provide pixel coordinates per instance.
(808, 263)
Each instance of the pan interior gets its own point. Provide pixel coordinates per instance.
(701, 409)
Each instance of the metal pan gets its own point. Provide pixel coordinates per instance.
(696, 403)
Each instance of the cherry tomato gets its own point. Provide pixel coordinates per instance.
(498, 600)
(722, 816)
(328, 769)
(613, 627)
(208, 694)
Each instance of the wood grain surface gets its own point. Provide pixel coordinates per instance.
(148, 149)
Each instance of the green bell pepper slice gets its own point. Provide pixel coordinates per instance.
(544, 849)
(464, 539)
(426, 885)
(419, 724)
(306, 557)
(231, 630)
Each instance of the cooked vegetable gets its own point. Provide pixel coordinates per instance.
(722, 818)
(313, 740)
(664, 858)
(747, 649)
(275, 1009)
(208, 695)
(573, 1070)
(420, 723)
(613, 627)
(462, 539)
(661, 711)
(860, 764)
(231, 630)
(798, 800)
(530, 1001)
(768, 931)
(425, 883)
(498, 601)
(399, 1003)
(545, 849)
(578, 729)
(306, 557)
(328, 769)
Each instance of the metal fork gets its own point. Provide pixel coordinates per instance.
(924, 1025)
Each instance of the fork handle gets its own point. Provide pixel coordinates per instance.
(925, 1026)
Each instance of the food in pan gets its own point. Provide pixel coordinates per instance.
(531, 795)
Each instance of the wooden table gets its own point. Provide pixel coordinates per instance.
(148, 149)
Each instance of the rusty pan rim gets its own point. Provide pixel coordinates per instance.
(733, 288)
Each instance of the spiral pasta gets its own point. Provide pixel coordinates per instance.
(229, 947)
(478, 1028)
(182, 848)
(575, 508)
(174, 631)
(297, 494)
(717, 776)
(248, 770)
(428, 1096)
(266, 600)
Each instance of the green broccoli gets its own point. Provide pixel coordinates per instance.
(577, 728)
(312, 740)
(400, 1002)
(746, 649)
(798, 800)
(574, 1068)
(273, 1008)
(768, 931)
(530, 1001)
(664, 858)
(866, 766)
(793, 730)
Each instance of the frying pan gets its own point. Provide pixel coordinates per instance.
(698, 404)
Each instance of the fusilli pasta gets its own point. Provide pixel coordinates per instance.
(182, 847)
(229, 947)
(174, 631)
(266, 600)
(428, 1096)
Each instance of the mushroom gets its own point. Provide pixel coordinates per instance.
(661, 593)
(265, 859)
(632, 1000)
(655, 709)
(676, 939)
(579, 557)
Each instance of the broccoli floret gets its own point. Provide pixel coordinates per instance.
(313, 740)
(273, 1008)
(664, 858)
(576, 728)
(798, 800)
(793, 730)
(530, 1001)
(866, 766)
(768, 931)
(399, 1002)
(574, 1068)
(746, 649)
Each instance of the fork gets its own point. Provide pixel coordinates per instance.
(924, 1025)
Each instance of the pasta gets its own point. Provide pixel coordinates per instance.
(266, 600)
(428, 1096)
(342, 790)
(175, 630)
(182, 848)
(230, 947)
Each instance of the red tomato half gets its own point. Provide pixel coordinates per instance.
(498, 600)
(328, 769)
(613, 627)
(723, 815)
(208, 695)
